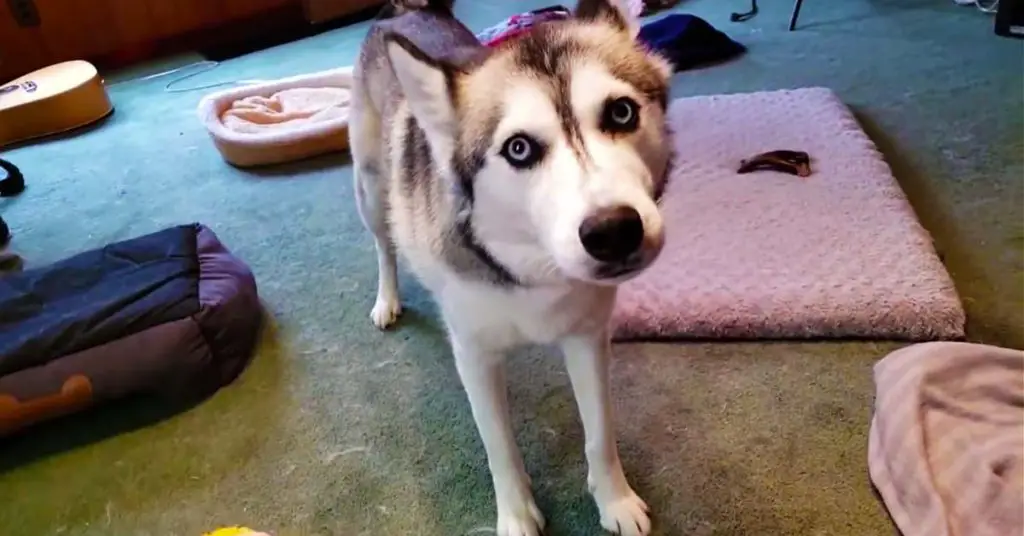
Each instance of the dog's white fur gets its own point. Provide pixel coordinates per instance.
(529, 221)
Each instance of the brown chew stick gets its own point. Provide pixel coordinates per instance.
(792, 162)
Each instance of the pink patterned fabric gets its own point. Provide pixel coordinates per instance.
(946, 448)
(770, 255)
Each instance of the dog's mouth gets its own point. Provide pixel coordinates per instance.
(617, 272)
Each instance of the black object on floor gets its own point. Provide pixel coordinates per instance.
(5, 233)
(1010, 19)
(743, 17)
(653, 6)
(12, 182)
(796, 14)
(689, 41)
(9, 262)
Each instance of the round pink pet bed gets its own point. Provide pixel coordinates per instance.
(280, 120)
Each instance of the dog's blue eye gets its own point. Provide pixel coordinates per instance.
(620, 115)
(521, 151)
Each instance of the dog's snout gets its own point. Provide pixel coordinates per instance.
(612, 234)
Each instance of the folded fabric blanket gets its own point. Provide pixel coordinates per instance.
(288, 109)
(946, 447)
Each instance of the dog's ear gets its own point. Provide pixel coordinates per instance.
(623, 14)
(428, 85)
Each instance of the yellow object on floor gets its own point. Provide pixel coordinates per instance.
(235, 531)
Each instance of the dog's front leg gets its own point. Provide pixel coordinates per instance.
(622, 511)
(482, 372)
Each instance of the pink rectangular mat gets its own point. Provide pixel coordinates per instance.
(771, 255)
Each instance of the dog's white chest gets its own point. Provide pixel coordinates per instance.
(509, 318)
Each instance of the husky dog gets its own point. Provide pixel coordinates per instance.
(521, 185)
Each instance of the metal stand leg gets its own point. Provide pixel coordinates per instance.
(796, 14)
(742, 17)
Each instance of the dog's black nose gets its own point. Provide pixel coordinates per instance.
(612, 234)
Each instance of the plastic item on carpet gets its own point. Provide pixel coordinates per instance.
(946, 445)
(280, 120)
(767, 254)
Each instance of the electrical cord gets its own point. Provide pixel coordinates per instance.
(985, 7)
(205, 67)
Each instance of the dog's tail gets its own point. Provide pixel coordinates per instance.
(394, 8)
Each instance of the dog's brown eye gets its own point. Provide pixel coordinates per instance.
(620, 115)
(521, 151)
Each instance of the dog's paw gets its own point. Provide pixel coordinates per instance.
(385, 312)
(626, 515)
(523, 520)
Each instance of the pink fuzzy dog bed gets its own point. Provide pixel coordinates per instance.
(280, 120)
(839, 253)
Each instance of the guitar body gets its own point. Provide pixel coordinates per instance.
(52, 100)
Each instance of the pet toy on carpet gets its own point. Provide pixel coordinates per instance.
(235, 531)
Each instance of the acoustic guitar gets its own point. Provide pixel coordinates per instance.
(52, 100)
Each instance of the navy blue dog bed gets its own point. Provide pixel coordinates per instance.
(172, 313)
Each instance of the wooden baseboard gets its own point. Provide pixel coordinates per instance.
(269, 27)
(285, 19)
(321, 11)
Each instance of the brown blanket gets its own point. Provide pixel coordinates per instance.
(946, 450)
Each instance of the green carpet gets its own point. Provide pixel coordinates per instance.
(337, 429)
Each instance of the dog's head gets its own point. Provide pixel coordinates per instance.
(556, 141)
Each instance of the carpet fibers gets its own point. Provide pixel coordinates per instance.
(338, 429)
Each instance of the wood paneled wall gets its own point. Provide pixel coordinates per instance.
(88, 29)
